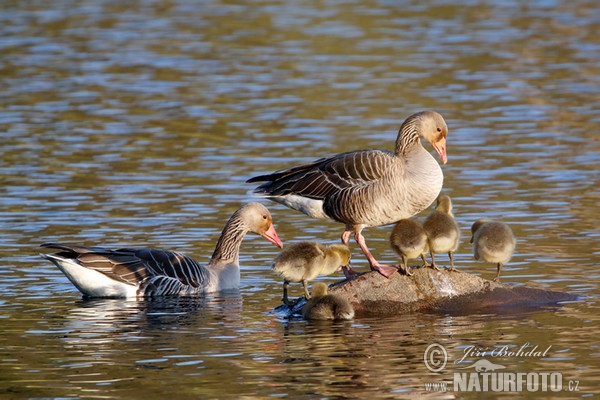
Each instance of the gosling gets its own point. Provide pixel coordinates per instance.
(409, 240)
(323, 306)
(304, 261)
(493, 242)
(442, 230)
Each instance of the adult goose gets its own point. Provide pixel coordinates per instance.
(367, 188)
(128, 273)
(443, 233)
(494, 242)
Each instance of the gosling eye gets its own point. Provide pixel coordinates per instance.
(439, 129)
(264, 216)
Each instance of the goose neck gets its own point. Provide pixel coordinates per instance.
(228, 245)
(408, 137)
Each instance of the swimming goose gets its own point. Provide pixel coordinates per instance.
(408, 240)
(367, 188)
(493, 242)
(324, 306)
(129, 273)
(442, 230)
(304, 261)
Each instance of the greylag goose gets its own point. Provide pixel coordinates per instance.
(408, 240)
(367, 188)
(129, 273)
(324, 306)
(442, 230)
(304, 261)
(493, 242)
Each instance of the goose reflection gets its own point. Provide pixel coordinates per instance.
(97, 320)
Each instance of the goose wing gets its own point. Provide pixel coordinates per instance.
(326, 177)
(136, 266)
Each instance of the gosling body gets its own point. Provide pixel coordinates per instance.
(324, 306)
(493, 242)
(409, 240)
(443, 233)
(304, 261)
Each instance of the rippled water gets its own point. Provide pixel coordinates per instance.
(137, 123)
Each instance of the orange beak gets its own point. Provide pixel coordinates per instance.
(272, 237)
(440, 148)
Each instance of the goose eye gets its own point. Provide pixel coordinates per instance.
(439, 129)
(264, 216)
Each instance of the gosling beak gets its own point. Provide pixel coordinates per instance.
(272, 237)
(348, 271)
(440, 149)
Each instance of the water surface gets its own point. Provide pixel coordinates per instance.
(138, 123)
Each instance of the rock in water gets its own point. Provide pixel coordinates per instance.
(446, 292)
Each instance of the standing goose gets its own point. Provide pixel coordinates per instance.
(442, 230)
(366, 188)
(129, 273)
(408, 240)
(324, 306)
(304, 261)
(493, 242)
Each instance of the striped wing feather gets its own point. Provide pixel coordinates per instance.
(169, 272)
(328, 176)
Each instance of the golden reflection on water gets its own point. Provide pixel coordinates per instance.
(137, 124)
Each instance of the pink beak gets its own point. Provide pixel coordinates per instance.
(440, 148)
(272, 237)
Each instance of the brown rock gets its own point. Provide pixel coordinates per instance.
(443, 291)
(429, 290)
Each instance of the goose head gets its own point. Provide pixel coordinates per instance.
(430, 126)
(258, 219)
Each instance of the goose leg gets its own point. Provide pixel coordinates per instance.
(347, 270)
(433, 262)
(306, 294)
(451, 262)
(497, 278)
(425, 263)
(285, 299)
(383, 269)
(346, 237)
(406, 268)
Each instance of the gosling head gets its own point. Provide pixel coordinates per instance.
(444, 204)
(319, 289)
(476, 225)
(337, 256)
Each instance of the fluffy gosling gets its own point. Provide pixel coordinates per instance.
(323, 306)
(493, 242)
(442, 230)
(409, 240)
(304, 261)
